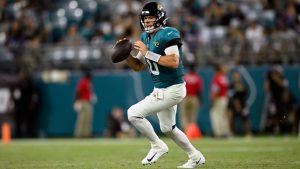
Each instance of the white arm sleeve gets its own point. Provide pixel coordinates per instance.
(172, 50)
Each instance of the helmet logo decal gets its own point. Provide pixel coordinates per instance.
(156, 44)
(159, 7)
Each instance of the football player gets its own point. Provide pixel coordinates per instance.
(160, 49)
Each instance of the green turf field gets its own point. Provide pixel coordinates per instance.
(257, 153)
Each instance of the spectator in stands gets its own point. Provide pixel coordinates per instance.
(255, 36)
(73, 37)
(4, 16)
(28, 21)
(84, 97)
(237, 104)
(119, 27)
(2, 6)
(33, 55)
(214, 13)
(131, 26)
(232, 14)
(189, 106)
(290, 14)
(104, 34)
(235, 41)
(196, 7)
(15, 42)
(87, 30)
(118, 126)
(219, 100)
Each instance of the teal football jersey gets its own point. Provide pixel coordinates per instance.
(163, 76)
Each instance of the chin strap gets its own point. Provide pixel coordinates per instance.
(150, 30)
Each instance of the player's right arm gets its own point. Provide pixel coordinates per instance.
(135, 63)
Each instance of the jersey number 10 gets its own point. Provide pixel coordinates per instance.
(153, 68)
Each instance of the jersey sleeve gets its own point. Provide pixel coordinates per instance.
(172, 38)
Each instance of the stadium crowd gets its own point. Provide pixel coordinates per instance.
(242, 32)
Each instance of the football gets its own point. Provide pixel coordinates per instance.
(121, 50)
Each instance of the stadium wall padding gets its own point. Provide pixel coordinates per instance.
(124, 88)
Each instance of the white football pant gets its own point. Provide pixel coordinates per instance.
(164, 103)
(161, 101)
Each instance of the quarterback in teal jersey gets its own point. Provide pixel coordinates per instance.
(160, 49)
(164, 76)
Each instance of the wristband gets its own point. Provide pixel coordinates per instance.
(152, 56)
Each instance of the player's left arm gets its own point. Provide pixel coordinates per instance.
(171, 59)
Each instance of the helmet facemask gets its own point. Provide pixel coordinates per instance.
(147, 28)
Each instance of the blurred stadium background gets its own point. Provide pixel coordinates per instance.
(52, 40)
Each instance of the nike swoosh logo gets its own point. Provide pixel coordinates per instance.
(150, 159)
(197, 162)
(170, 33)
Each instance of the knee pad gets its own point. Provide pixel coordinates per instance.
(131, 115)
